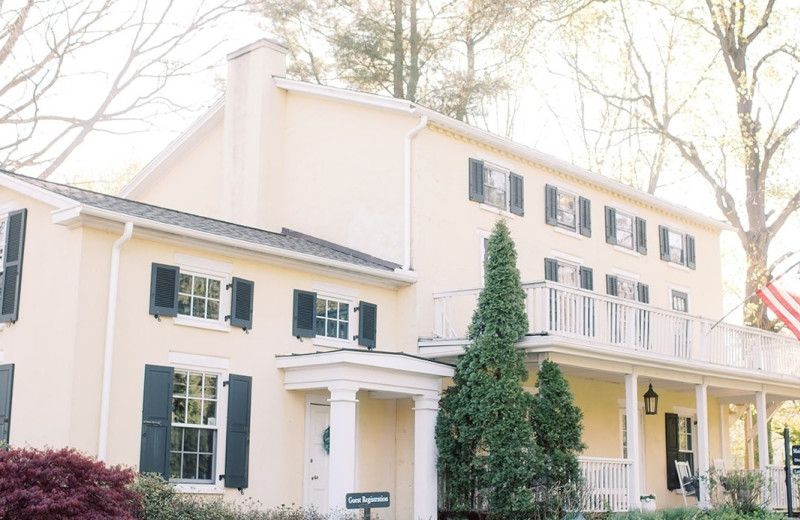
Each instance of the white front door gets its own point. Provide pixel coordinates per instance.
(318, 420)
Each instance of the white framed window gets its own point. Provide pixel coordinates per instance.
(685, 434)
(203, 297)
(676, 247)
(495, 186)
(199, 296)
(627, 288)
(567, 210)
(194, 434)
(680, 301)
(624, 230)
(332, 318)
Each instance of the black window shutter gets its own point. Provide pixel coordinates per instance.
(671, 422)
(585, 206)
(690, 254)
(517, 193)
(551, 205)
(156, 420)
(304, 316)
(643, 293)
(641, 236)
(587, 278)
(367, 324)
(551, 269)
(242, 303)
(237, 438)
(611, 225)
(476, 180)
(164, 290)
(663, 242)
(12, 265)
(6, 388)
(612, 285)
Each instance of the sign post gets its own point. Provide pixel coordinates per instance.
(367, 501)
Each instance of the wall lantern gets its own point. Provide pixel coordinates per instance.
(650, 401)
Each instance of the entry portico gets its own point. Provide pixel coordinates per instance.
(385, 375)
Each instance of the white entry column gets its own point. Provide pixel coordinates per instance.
(632, 422)
(701, 399)
(763, 436)
(342, 463)
(426, 408)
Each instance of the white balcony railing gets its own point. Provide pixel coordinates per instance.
(561, 311)
(607, 482)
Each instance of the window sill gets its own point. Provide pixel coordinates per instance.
(322, 341)
(675, 265)
(496, 210)
(627, 251)
(201, 324)
(568, 232)
(200, 489)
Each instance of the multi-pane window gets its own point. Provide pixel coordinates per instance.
(568, 274)
(680, 301)
(685, 435)
(675, 241)
(626, 288)
(194, 426)
(332, 318)
(676, 247)
(567, 210)
(495, 187)
(624, 230)
(199, 296)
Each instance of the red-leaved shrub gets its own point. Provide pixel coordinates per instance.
(58, 484)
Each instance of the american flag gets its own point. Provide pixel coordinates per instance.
(782, 296)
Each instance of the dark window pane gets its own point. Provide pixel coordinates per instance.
(210, 390)
(177, 439)
(204, 467)
(193, 412)
(189, 466)
(213, 310)
(196, 385)
(175, 465)
(206, 441)
(178, 410)
(199, 286)
(190, 439)
(213, 289)
(185, 284)
(210, 412)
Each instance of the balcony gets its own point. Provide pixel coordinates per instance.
(604, 321)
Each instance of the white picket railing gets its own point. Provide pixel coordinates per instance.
(558, 310)
(607, 483)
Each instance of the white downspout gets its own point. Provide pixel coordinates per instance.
(111, 320)
(407, 192)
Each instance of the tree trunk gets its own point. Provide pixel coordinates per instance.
(397, 66)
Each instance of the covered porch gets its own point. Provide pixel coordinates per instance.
(611, 350)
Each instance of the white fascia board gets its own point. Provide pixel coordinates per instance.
(519, 150)
(186, 139)
(35, 192)
(144, 228)
(394, 361)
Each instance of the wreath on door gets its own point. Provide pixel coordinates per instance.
(326, 440)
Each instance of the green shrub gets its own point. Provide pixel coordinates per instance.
(160, 501)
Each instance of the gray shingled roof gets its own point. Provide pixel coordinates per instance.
(290, 242)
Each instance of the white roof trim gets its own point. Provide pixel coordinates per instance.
(169, 154)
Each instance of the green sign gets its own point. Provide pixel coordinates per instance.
(367, 500)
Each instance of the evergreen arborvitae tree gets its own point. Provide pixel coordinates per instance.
(484, 434)
(558, 429)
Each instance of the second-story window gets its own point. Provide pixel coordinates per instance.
(676, 247)
(626, 230)
(332, 318)
(496, 186)
(567, 210)
(199, 296)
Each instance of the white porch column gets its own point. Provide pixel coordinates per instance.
(342, 462)
(426, 408)
(701, 399)
(763, 439)
(632, 422)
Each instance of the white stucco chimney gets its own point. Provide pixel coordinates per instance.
(254, 113)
